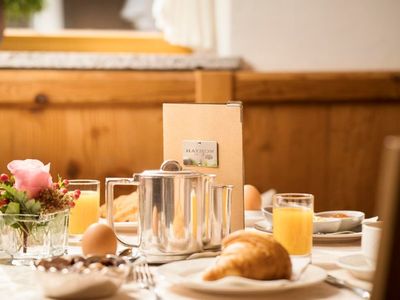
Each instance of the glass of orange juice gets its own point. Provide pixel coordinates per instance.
(87, 208)
(293, 222)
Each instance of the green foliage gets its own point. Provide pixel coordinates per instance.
(25, 205)
(19, 9)
(12, 208)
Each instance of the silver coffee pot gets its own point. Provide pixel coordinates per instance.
(175, 210)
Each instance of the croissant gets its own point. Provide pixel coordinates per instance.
(125, 208)
(252, 255)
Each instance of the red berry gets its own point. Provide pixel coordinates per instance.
(56, 185)
(64, 191)
(4, 177)
(4, 202)
(71, 204)
(77, 194)
(65, 182)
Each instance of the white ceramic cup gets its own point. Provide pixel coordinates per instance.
(371, 237)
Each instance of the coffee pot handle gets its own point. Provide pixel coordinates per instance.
(111, 182)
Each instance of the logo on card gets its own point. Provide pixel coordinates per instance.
(200, 153)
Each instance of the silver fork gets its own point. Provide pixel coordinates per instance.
(142, 275)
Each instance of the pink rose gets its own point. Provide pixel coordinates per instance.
(31, 176)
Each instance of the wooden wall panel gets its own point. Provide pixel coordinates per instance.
(321, 87)
(356, 137)
(214, 86)
(84, 142)
(331, 150)
(318, 133)
(286, 148)
(94, 87)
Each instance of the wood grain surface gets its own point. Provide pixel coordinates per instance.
(214, 86)
(90, 143)
(95, 87)
(318, 133)
(332, 150)
(328, 86)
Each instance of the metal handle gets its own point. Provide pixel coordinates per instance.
(364, 294)
(111, 182)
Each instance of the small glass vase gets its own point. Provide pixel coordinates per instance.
(28, 237)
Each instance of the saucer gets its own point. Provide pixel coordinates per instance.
(252, 216)
(334, 237)
(357, 265)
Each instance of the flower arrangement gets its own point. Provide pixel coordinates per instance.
(30, 189)
(30, 193)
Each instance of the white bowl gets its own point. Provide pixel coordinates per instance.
(77, 281)
(353, 220)
(326, 225)
(267, 212)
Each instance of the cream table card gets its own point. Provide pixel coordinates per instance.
(209, 124)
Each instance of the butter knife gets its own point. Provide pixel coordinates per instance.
(364, 294)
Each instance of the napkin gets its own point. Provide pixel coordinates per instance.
(266, 197)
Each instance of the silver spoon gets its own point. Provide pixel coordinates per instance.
(130, 254)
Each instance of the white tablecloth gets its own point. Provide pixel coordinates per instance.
(19, 283)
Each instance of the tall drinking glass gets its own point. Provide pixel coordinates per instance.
(87, 207)
(293, 222)
(218, 213)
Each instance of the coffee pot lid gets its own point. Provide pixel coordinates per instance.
(170, 168)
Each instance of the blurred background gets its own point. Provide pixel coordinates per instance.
(82, 85)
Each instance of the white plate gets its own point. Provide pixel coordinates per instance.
(357, 265)
(74, 239)
(121, 226)
(188, 274)
(318, 237)
(337, 237)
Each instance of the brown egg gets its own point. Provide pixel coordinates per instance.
(99, 239)
(252, 198)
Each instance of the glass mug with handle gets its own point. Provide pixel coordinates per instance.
(293, 222)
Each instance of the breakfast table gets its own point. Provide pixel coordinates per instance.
(18, 282)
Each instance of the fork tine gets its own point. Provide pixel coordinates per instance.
(149, 275)
(141, 278)
(142, 275)
(134, 273)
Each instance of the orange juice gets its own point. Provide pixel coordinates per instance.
(85, 212)
(293, 228)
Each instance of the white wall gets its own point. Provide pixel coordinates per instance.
(51, 18)
(314, 35)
